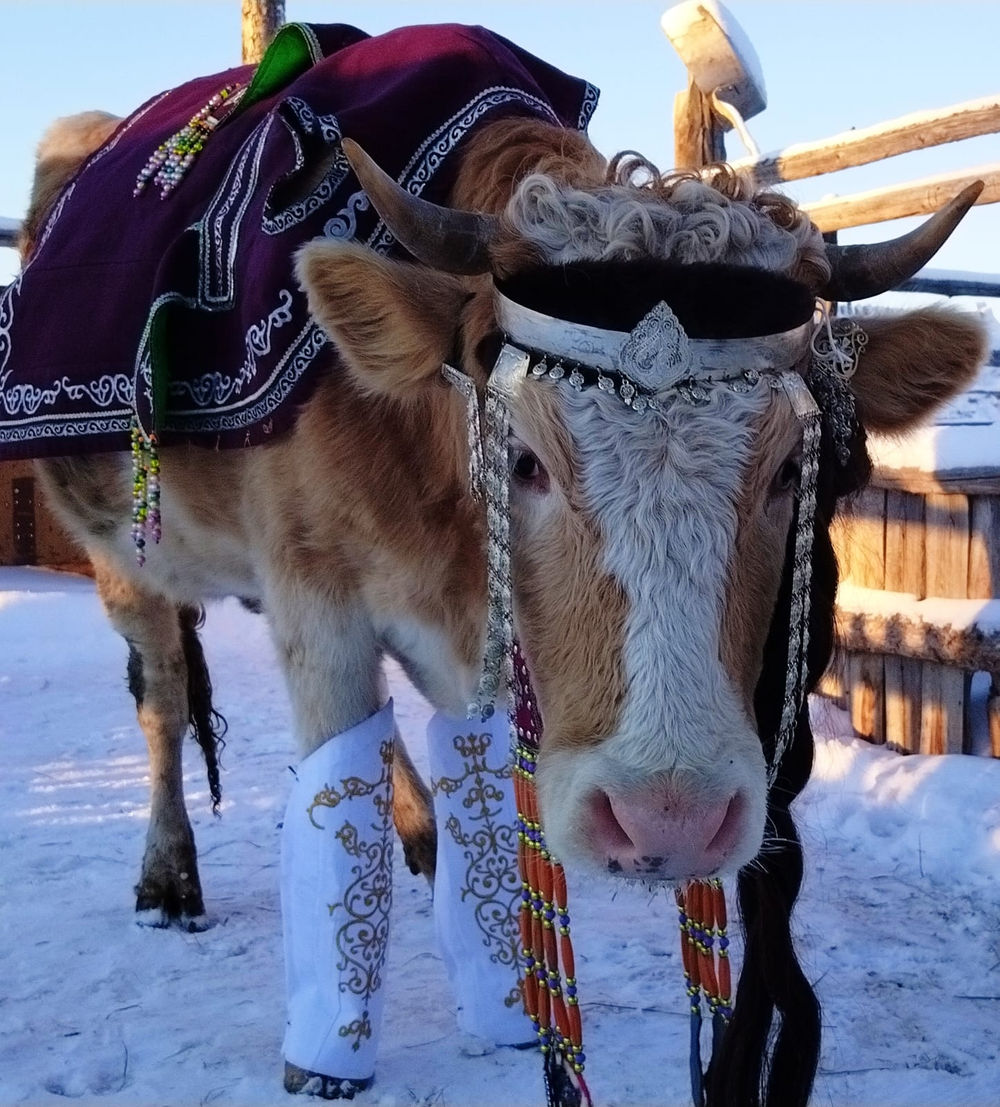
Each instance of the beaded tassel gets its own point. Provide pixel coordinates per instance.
(171, 159)
(546, 947)
(701, 910)
(145, 490)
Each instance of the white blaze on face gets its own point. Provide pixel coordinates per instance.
(666, 492)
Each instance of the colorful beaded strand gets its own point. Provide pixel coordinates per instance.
(547, 953)
(701, 909)
(145, 490)
(171, 159)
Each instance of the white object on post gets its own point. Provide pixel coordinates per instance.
(718, 54)
(336, 892)
(477, 887)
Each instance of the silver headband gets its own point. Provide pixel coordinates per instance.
(656, 357)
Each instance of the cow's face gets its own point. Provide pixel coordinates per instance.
(647, 548)
(647, 552)
(647, 555)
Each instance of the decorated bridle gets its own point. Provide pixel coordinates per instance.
(654, 364)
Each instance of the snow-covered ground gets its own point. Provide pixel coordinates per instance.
(899, 923)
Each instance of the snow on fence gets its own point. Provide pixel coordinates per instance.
(918, 615)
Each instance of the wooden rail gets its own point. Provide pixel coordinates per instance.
(8, 232)
(920, 197)
(947, 282)
(916, 131)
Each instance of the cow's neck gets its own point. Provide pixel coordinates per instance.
(408, 488)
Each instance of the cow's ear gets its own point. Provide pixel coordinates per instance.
(914, 363)
(394, 323)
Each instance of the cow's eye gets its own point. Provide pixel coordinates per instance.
(528, 470)
(787, 477)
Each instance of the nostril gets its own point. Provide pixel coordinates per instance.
(608, 831)
(731, 827)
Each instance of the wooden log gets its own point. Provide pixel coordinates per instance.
(942, 715)
(993, 716)
(922, 197)
(9, 230)
(904, 543)
(833, 683)
(866, 696)
(883, 140)
(698, 138)
(969, 482)
(969, 648)
(945, 282)
(261, 20)
(903, 701)
(904, 572)
(984, 547)
(946, 545)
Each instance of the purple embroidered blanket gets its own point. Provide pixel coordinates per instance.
(184, 311)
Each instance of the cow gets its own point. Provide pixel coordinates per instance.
(652, 546)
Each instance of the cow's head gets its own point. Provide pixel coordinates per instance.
(649, 547)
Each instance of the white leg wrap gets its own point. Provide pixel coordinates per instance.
(336, 891)
(477, 888)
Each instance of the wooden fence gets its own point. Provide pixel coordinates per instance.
(919, 552)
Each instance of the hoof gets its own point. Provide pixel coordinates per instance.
(160, 919)
(303, 1082)
(171, 900)
(420, 852)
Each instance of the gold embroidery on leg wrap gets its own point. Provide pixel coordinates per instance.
(363, 912)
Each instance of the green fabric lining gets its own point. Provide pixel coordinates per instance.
(293, 50)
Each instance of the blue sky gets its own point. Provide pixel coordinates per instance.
(829, 66)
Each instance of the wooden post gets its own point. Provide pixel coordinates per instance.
(904, 572)
(984, 547)
(698, 137)
(946, 522)
(942, 721)
(867, 695)
(862, 547)
(261, 20)
(993, 716)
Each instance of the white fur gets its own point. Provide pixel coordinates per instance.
(664, 491)
(698, 225)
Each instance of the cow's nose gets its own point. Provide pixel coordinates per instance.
(659, 834)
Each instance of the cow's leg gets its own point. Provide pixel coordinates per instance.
(413, 814)
(336, 880)
(169, 889)
(477, 888)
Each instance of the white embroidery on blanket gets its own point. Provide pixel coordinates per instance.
(329, 129)
(219, 228)
(216, 389)
(430, 154)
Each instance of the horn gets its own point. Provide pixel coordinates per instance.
(862, 271)
(443, 238)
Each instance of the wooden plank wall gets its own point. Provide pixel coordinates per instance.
(937, 544)
(52, 546)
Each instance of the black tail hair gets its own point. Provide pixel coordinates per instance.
(208, 727)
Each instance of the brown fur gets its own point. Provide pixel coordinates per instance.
(394, 323)
(913, 364)
(576, 630)
(754, 570)
(61, 150)
(500, 155)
